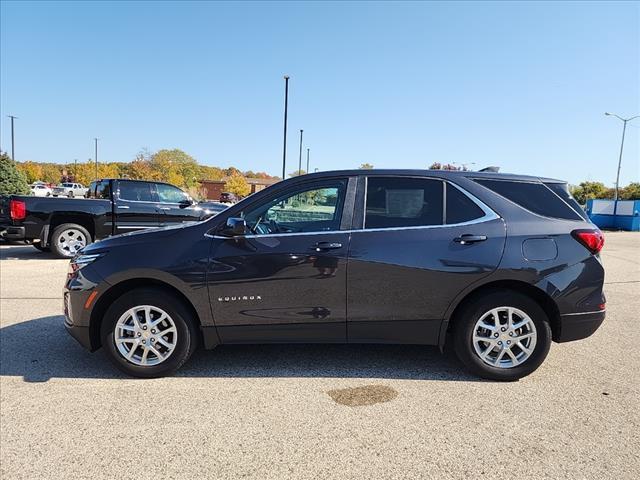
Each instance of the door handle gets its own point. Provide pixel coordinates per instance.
(123, 206)
(468, 239)
(318, 247)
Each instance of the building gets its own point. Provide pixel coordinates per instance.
(212, 189)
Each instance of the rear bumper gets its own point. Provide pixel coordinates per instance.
(576, 326)
(13, 233)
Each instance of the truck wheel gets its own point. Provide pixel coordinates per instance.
(39, 246)
(68, 239)
(148, 332)
(70, 194)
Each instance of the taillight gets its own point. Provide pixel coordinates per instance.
(17, 210)
(593, 240)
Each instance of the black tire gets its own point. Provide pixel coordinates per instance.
(471, 312)
(70, 194)
(39, 246)
(60, 251)
(187, 331)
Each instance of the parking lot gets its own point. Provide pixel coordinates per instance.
(317, 411)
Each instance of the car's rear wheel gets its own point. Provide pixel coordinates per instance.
(502, 335)
(149, 333)
(68, 239)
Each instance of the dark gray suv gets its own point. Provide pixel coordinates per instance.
(495, 265)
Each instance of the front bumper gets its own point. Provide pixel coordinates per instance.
(12, 233)
(576, 326)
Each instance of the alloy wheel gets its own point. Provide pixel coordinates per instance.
(71, 241)
(504, 337)
(145, 335)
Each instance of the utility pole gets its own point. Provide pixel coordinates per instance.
(13, 148)
(300, 157)
(286, 106)
(75, 170)
(308, 160)
(96, 156)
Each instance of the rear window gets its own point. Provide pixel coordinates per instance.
(535, 197)
(103, 189)
(562, 190)
(460, 208)
(403, 202)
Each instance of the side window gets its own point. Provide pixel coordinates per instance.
(170, 194)
(91, 191)
(103, 190)
(562, 190)
(315, 208)
(136, 191)
(460, 208)
(535, 197)
(403, 202)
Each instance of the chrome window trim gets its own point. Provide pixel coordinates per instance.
(488, 216)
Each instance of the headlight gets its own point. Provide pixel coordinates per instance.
(83, 260)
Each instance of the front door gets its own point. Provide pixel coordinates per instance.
(136, 206)
(423, 241)
(285, 281)
(175, 206)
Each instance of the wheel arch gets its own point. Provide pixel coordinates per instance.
(539, 296)
(84, 220)
(117, 290)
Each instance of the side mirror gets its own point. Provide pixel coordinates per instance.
(187, 202)
(234, 227)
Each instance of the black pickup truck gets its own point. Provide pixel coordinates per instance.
(113, 206)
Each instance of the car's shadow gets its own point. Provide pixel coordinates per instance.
(40, 349)
(25, 252)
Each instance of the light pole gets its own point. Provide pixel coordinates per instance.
(624, 128)
(286, 106)
(300, 157)
(13, 149)
(308, 160)
(96, 156)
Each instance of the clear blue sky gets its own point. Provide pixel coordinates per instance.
(520, 85)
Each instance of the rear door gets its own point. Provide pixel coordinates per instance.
(422, 240)
(175, 205)
(136, 206)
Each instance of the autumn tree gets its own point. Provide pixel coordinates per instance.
(297, 173)
(175, 167)
(238, 185)
(366, 166)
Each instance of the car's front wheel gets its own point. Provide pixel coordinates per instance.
(502, 335)
(149, 333)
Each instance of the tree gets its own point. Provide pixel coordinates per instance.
(12, 180)
(631, 191)
(446, 166)
(237, 184)
(175, 167)
(297, 173)
(32, 171)
(590, 190)
(366, 166)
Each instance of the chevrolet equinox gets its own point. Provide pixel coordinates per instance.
(496, 266)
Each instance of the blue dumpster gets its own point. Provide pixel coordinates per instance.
(620, 215)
